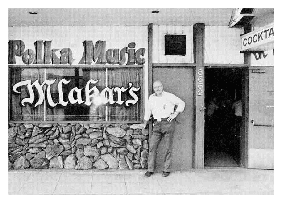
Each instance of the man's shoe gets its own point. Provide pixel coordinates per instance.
(165, 174)
(148, 173)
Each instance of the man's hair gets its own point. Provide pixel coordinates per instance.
(158, 81)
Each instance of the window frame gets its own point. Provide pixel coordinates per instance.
(170, 39)
(76, 68)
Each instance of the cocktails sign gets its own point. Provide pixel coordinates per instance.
(259, 40)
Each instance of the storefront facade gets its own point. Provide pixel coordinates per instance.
(94, 89)
(77, 94)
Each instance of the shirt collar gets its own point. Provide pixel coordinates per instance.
(162, 94)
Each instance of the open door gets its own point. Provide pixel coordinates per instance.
(261, 118)
(223, 117)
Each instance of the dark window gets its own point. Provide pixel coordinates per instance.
(111, 79)
(175, 45)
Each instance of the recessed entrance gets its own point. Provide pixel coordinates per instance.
(223, 117)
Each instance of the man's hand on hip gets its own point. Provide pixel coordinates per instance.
(172, 116)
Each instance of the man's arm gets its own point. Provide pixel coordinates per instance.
(179, 103)
(148, 113)
(180, 107)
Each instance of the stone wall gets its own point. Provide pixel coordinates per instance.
(77, 146)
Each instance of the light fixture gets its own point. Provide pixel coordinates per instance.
(155, 11)
(33, 12)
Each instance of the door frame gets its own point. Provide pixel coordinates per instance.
(245, 109)
(198, 113)
(245, 119)
(199, 107)
(198, 50)
(191, 67)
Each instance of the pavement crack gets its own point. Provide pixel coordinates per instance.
(126, 191)
(57, 183)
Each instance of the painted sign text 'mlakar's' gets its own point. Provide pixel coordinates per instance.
(43, 54)
(93, 96)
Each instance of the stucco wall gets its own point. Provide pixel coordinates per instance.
(223, 45)
(261, 103)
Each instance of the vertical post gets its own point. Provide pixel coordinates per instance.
(150, 56)
(150, 66)
(199, 95)
(142, 85)
(9, 93)
(245, 106)
(45, 106)
(106, 109)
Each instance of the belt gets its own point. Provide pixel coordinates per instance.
(162, 119)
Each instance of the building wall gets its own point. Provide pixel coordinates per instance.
(219, 41)
(79, 145)
(159, 32)
(261, 112)
(261, 103)
(259, 59)
(223, 45)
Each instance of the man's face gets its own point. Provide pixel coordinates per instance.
(158, 88)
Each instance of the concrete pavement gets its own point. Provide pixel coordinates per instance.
(201, 181)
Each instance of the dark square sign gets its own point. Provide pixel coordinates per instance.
(175, 45)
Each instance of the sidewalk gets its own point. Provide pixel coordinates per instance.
(201, 181)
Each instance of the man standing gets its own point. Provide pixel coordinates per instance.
(161, 105)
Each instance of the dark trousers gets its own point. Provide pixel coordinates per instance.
(161, 130)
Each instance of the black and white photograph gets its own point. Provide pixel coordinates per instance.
(140, 101)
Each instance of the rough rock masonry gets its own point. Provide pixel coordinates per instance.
(77, 146)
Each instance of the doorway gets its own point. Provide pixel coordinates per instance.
(223, 117)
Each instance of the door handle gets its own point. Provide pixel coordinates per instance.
(264, 125)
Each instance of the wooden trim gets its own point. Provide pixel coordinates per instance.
(194, 120)
(226, 65)
(199, 100)
(198, 42)
(173, 65)
(150, 67)
(75, 66)
(142, 85)
(247, 55)
(242, 52)
(245, 120)
(9, 95)
(245, 104)
(106, 122)
(253, 67)
(150, 58)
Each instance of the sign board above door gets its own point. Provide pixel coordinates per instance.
(259, 40)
